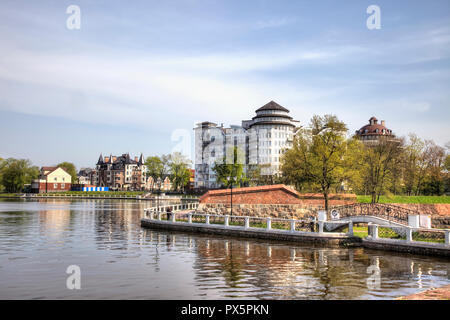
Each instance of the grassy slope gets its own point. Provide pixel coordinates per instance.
(407, 199)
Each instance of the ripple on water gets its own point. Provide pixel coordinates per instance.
(119, 259)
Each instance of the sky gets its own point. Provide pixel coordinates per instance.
(138, 75)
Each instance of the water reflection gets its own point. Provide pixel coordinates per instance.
(119, 259)
(252, 269)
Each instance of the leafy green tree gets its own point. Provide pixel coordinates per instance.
(379, 161)
(230, 173)
(71, 169)
(155, 169)
(253, 175)
(320, 158)
(15, 173)
(179, 171)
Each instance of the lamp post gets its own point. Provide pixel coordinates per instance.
(231, 195)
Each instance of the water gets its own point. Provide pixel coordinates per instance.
(118, 259)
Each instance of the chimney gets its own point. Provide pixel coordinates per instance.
(383, 122)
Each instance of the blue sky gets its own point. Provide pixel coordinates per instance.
(137, 71)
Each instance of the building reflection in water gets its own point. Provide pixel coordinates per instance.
(267, 270)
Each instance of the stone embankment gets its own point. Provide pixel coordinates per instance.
(280, 201)
(277, 201)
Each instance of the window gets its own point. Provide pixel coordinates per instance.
(55, 186)
(63, 185)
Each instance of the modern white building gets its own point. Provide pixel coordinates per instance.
(260, 141)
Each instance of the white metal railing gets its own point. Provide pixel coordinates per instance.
(374, 233)
(173, 207)
(245, 222)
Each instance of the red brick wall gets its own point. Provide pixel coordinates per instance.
(275, 194)
(52, 188)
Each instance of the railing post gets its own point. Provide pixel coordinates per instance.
(292, 225)
(207, 219)
(269, 223)
(409, 234)
(246, 222)
(321, 226)
(227, 220)
(374, 231)
(350, 228)
(159, 215)
(189, 217)
(447, 237)
(173, 217)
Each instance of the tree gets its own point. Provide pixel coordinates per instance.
(320, 156)
(2, 163)
(230, 173)
(379, 161)
(434, 181)
(158, 168)
(253, 175)
(71, 169)
(179, 171)
(15, 173)
(424, 167)
(155, 169)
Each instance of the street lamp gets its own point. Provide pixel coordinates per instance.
(230, 180)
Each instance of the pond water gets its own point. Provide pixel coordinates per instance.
(40, 239)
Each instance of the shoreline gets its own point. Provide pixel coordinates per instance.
(441, 293)
(103, 197)
(332, 239)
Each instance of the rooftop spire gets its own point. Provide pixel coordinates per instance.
(100, 159)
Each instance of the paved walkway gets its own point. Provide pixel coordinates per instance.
(442, 293)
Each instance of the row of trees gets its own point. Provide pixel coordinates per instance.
(325, 159)
(175, 166)
(16, 173)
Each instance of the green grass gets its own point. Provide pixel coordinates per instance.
(387, 233)
(9, 194)
(407, 199)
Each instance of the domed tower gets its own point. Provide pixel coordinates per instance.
(271, 131)
(371, 133)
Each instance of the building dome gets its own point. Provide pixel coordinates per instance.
(374, 129)
(271, 114)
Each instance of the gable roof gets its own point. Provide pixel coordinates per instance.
(51, 170)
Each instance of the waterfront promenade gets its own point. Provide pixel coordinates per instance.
(291, 230)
